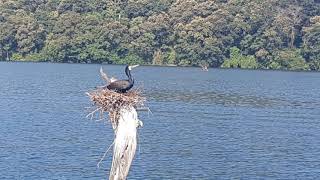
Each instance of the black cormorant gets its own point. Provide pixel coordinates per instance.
(122, 86)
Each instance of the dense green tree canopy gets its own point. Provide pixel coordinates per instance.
(268, 34)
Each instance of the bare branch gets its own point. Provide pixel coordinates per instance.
(93, 112)
(104, 155)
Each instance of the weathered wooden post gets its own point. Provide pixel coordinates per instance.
(125, 143)
(124, 120)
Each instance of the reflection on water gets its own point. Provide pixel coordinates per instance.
(227, 99)
(220, 98)
(220, 124)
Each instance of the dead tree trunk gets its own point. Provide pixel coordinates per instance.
(125, 143)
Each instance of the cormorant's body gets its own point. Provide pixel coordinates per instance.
(122, 86)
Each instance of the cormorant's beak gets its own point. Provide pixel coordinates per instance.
(133, 66)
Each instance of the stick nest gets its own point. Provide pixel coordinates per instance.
(109, 101)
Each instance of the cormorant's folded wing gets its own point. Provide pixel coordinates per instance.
(120, 84)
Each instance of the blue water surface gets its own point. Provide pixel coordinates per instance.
(221, 124)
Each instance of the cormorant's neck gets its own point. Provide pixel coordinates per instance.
(128, 73)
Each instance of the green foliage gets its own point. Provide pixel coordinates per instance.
(130, 59)
(93, 53)
(237, 60)
(171, 56)
(274, 65)
(17, 57)
(312, 43)
(53, 51)
(248, 62)
(290, 59)
(271, 34)
(34, 57)
(184, 62)
(315, 65)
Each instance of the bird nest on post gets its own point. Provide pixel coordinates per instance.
(122, 109)
(112, 102)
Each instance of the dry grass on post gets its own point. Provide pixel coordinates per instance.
(112, 102)
(123, 116)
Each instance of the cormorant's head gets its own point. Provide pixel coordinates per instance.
(133, 66)
(128, 69)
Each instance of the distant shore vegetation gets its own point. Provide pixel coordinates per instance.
(251, 34)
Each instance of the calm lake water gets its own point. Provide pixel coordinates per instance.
(221, 124)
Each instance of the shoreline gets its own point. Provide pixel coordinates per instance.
(170, 65)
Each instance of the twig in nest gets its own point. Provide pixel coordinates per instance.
(104, 155)
(93, 112)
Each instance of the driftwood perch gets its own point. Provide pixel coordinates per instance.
(125, 143)
(124, 119)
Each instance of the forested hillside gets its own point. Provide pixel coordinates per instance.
(269, 34)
